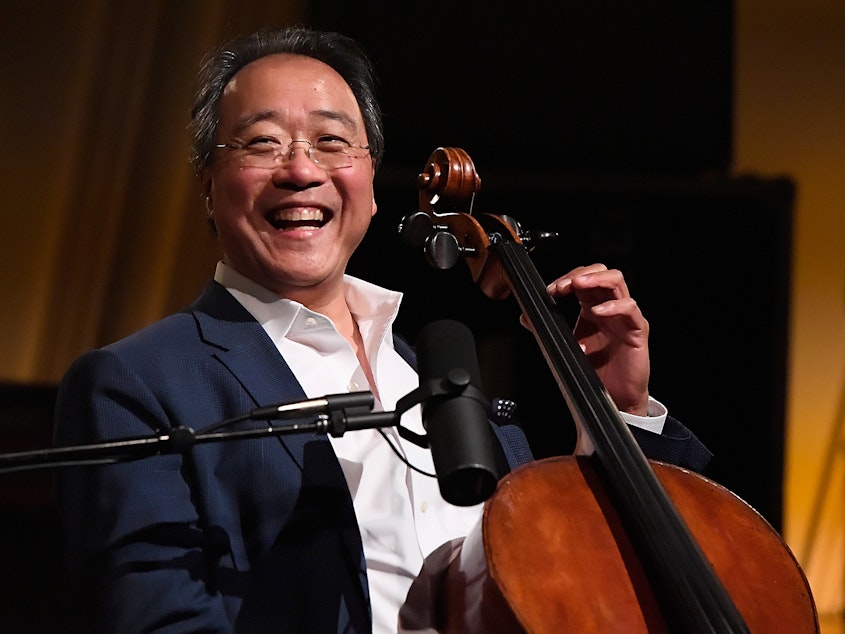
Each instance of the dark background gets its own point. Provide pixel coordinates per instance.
(579, 86)
(610, 125)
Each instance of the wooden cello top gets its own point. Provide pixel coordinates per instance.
(552, 555)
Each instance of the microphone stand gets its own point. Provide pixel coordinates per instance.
(335, 414)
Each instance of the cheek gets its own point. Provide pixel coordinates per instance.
(237, 185)
(359, 195)
(234, 194)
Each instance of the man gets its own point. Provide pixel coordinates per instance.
(302, 533)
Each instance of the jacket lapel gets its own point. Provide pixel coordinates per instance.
(240, 343)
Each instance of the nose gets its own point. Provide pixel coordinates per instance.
(299, 172)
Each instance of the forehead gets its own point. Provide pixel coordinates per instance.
(290, 87)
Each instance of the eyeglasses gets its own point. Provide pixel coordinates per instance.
(330, 153)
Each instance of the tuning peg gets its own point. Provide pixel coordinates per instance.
(442, 250)
(416, 228)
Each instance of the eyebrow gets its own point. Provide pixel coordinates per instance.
(271, 115)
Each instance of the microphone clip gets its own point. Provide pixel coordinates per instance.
(457, 382)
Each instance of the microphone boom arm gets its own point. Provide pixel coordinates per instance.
(332, 417)
(335, 414)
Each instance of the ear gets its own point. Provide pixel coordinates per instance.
(206, 193)
(375, 207)
(205, 179)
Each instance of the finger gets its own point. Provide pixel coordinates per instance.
(624, 306)
(562, 285)
(623, 317)
(609, 283)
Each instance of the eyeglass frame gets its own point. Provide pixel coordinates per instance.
(279, 151)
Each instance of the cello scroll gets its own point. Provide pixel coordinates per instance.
(445, 226)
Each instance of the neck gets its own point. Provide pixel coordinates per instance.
(346, 325)
(327, 298)
(338, 311)
(333, 305)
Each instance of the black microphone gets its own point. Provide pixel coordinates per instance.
(457, 425)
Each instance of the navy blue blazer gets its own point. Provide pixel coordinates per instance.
(255, 535)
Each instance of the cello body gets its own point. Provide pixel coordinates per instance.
(552, 555)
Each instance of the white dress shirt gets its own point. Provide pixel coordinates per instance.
(400, 513)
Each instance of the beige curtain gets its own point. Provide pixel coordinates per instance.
(102, 222)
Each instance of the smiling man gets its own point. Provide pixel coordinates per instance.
(298, 533)
(290, 188)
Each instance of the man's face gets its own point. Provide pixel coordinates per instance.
(293, 225)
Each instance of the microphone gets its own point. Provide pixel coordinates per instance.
(457, 425)
(322, 405)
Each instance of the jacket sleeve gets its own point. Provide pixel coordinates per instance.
(675, 445)
(131, 529)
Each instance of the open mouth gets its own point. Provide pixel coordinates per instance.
(287, 219)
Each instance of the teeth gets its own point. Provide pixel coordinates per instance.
(298, 215)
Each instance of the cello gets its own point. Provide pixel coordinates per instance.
(604, 540)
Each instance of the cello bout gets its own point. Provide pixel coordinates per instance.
(532, 566)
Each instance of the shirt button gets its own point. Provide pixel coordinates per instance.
(352, 387)
(310, 322)
(424, 506)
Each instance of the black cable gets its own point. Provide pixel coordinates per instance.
(401, 457)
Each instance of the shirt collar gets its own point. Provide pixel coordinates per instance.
(374, 308)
